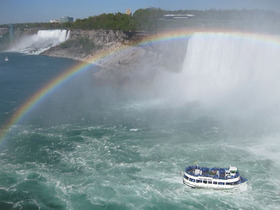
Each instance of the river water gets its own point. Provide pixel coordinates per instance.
(87, 146)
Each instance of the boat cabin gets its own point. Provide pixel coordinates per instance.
(217, 178)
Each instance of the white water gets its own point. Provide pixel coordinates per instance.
(130, 157)
(40, 42)
(233, 72)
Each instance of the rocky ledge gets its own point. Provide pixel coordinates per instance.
(129, 64)
(84, 44)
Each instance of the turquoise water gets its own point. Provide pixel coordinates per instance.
(88, 146)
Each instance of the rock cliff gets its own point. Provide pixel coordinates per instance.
(129, 65)
(83, 44)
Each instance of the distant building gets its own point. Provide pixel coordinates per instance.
(128, 12)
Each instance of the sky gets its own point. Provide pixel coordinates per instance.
(28, 11)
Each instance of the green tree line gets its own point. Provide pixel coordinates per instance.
(154, 19)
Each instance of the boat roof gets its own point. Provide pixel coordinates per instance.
(231, 168)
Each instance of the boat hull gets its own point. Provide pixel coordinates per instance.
(208, 186)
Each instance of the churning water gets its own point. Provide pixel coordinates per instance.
(89, 146)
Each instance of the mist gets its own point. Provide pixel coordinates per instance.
(233, 77)
(40, 42)
(236, 76)
(229, 78)
(118, 132)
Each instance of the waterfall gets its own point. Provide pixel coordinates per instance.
(40, 42)
(226, 70)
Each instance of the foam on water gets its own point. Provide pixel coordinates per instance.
(129, 155)
(100, 166)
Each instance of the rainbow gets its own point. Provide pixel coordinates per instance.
(52, 85)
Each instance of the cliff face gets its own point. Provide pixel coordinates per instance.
(83, 44)
(142, 67)
(129, 66)
(100, 37)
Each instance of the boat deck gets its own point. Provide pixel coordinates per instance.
(215, 173)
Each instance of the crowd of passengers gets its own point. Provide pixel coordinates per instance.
(209, 172)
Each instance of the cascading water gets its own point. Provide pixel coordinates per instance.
(231, 71)
(89, 146)
(40, 42)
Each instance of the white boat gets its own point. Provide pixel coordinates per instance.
(6, 59)
(215, 178)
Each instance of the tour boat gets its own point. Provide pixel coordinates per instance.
(215, 178)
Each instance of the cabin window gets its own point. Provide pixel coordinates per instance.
(204, 181)
(192, 180)
(214, 182)
(228, 183)
(199, 181)
(186, 177)
(221, 183)
(209, 182)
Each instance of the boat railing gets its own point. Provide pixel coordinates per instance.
(213, 176)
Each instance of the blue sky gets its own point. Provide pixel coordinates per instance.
(23, 11)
